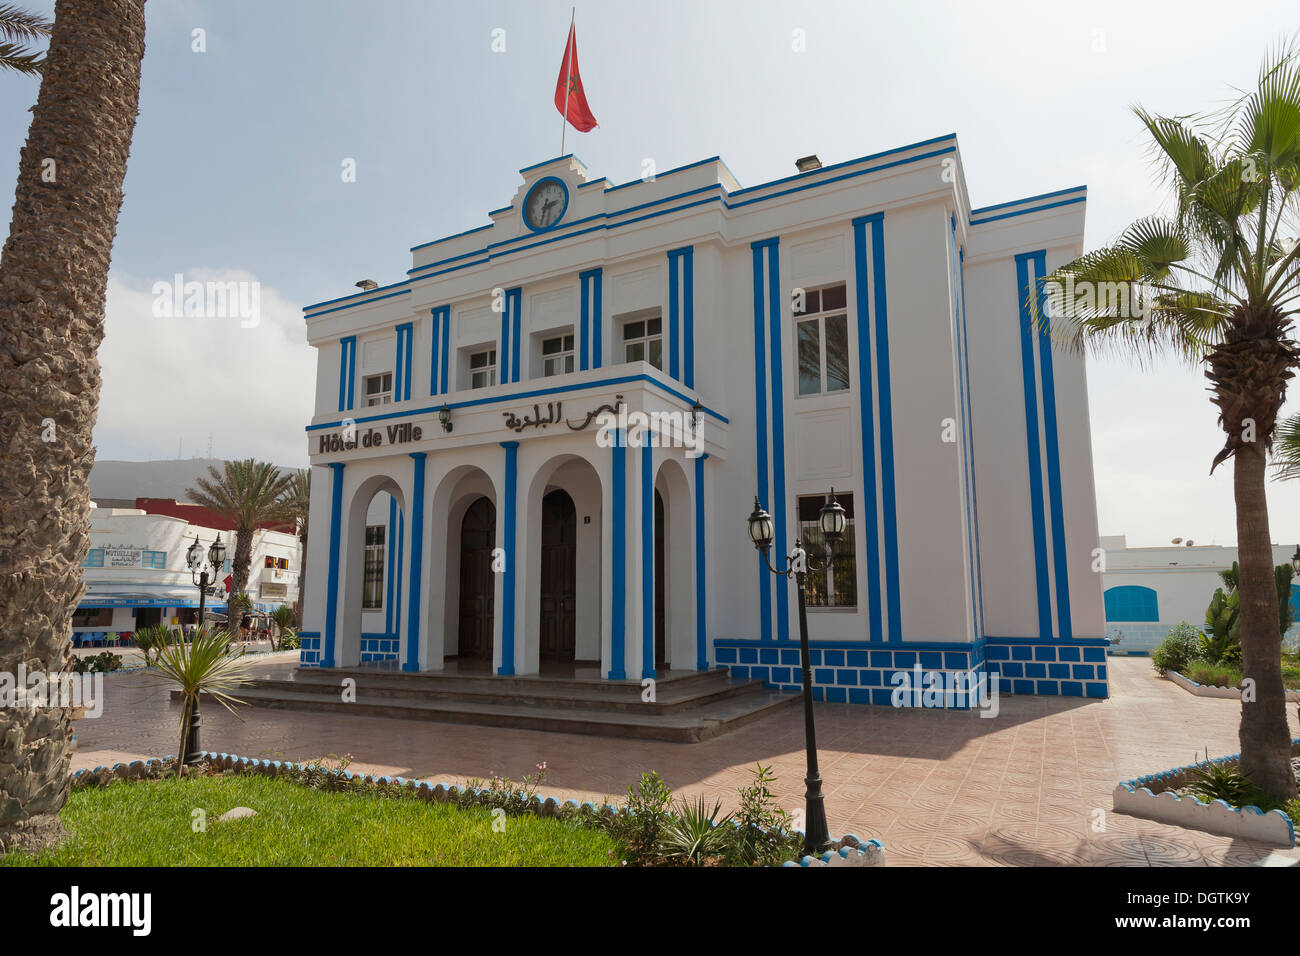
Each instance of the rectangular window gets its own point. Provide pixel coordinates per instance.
(92, 617)
(379, 389)
(94, 558)
(483, 369)
(372, 594)
(643, 341)
(822, 335)
(557, 355)
(842, 588)
(154, 559)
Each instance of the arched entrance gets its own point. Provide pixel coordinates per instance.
(477, 582)
(557, 631)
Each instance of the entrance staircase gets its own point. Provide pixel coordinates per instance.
(689, 706)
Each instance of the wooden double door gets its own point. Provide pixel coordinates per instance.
(557, 632)
(478, 531)
(559, 571)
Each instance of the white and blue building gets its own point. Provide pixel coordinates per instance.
(857, 327)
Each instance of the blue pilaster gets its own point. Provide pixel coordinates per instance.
(332, 585)
(412, 662)
(507, 667)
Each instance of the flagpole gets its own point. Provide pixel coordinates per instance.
(568, 73)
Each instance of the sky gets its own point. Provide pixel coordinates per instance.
(236, 171)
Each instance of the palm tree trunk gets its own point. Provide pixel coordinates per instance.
(239, 570)
(53, 278)
(1265, 737)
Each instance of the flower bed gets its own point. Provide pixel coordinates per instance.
(1210, 690)
(1153, 797)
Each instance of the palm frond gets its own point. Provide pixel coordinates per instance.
(1286, 449)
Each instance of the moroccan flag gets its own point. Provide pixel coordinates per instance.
(570, 98)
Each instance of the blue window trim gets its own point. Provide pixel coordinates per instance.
(94, 558)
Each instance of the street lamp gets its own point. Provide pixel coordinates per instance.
(203, 576)
(1295, 560)
(817, 838)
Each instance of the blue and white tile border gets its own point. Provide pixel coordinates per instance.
(1208, 690)
(871, 853)
(1136, 798)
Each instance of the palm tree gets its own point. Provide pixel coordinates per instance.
(297, 505)
(1215, 283)
(1286, 449)
(247, 494)
(53, 277)
(19, 29)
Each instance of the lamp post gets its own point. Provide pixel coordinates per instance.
(203, 575)
(199, 570)
(1295, 560)
(817, 838)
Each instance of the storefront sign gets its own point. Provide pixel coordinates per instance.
(121, 557)
(350, 439)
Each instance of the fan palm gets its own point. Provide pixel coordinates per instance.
(297, 506)
(1215, 283)
(18, 30)
(1286, 449)
(53, 278)
(247, 494)
(202, 665)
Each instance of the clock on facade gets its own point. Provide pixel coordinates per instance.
(545, 203)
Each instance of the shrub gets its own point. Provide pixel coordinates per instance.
(763, 831)
(641, 823)
(694, 835)
(1216, 781)
(1178, 650)
(1214, 675)
(99, 664)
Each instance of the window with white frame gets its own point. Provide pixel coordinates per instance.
(643, 341)
(483, 368)
(372, 594)
(822, 338)
(154, 559)
(841, 588)
(379, 389)
(557, 355)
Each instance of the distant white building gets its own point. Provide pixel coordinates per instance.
(1149, 590)
(136, 573)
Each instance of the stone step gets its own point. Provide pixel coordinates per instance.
(669, 697)
(670, 683)
(689, 725)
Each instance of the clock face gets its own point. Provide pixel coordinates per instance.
(545, 204)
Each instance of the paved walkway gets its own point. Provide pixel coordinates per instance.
(938, 787)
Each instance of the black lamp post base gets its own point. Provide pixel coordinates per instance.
(817, 837)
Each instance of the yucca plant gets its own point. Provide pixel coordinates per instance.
(203, 666)
(694, 833)
(1216, 283)
(150, 641)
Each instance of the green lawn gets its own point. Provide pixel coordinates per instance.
(148, 823)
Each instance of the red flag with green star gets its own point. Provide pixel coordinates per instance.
(570, 98)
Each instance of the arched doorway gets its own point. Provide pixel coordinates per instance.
(477, 582)
(557, 631)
